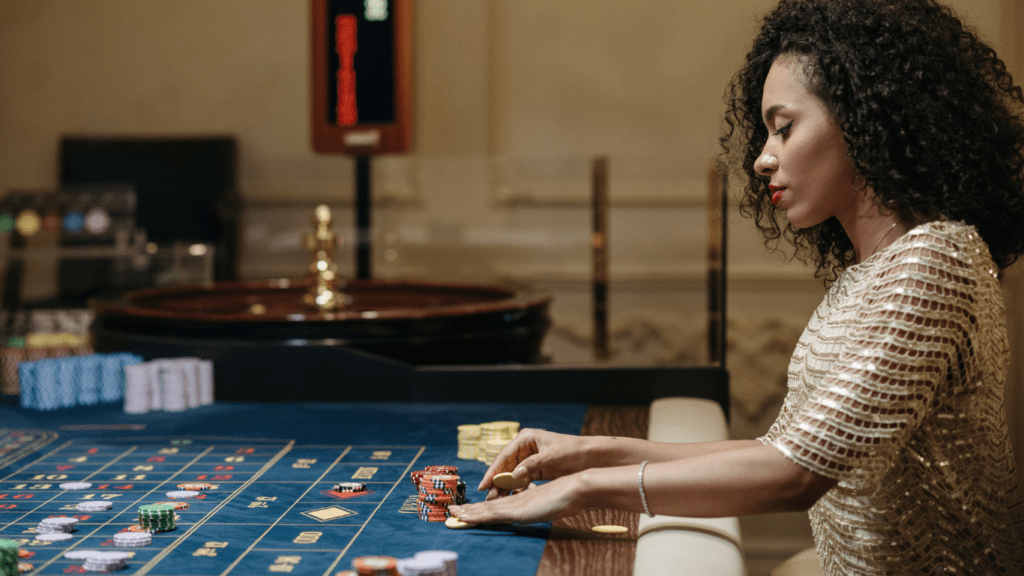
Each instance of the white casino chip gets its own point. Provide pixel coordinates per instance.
(179, 494)
(76, 486)
(63, 522)
(94, 506)
(53, 537)
(132, 539)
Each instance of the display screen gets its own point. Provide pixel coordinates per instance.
(361, 56)
(360, 59)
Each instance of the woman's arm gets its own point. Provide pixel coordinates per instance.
(542, 455)
(749, 479)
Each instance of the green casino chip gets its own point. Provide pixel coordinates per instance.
(8, 558)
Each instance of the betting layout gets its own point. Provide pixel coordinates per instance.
(240, 506)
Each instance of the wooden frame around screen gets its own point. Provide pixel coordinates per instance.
(393, 137)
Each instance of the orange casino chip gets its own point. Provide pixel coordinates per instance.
(374, 565)
(197, 486)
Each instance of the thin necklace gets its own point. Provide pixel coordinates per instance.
(875, 249)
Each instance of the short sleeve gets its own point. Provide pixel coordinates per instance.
(897, 341)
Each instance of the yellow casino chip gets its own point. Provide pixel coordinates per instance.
(610, 529)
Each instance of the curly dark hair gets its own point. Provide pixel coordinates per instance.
(931, 117)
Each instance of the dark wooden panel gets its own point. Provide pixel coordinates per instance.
(573, 549)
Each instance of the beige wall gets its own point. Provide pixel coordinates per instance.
(512, 98)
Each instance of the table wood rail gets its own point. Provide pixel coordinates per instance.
(572, 548)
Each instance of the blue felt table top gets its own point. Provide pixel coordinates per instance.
(329, 440)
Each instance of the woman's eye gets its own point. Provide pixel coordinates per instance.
(784, 129)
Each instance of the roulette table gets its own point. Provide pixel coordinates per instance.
(270, 468)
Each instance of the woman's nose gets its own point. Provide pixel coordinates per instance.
(766, 163)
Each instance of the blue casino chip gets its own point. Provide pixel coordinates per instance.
(88, 369)
(27, 385)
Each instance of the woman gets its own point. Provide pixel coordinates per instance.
(890, 139)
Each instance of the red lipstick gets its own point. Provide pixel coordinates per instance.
(776, 193)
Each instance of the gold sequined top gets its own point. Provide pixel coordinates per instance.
(896, 390)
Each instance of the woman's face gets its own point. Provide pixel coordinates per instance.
(805, 158)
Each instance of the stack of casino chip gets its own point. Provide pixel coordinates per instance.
(52, 383)
(493, 437)
(418, 475)
(170, 384)
(55, 525)
(469, 441)
(438, 491)
(349, 487)
(132, 539)
(157, 517)
(375, 566)
(8, 558)
(105, 561)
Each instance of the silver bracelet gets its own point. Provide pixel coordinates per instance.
(640, 485)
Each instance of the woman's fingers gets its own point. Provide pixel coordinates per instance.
(521, 447)
(535, 455)
(538, 503)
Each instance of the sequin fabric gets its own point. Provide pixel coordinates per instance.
(896, 390)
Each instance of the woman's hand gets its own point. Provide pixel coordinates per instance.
(539, 455)
(538, 503)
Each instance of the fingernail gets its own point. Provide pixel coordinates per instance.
(519, 469)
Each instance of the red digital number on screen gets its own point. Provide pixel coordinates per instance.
(346, 46)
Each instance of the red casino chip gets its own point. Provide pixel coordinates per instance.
(441, 481)
(375, 565)
(197, 486)
(443, 469)
(439, 498)
(427, 491)
(433, 513)
(435, 518)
